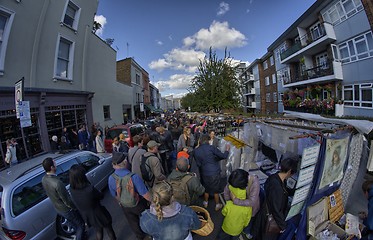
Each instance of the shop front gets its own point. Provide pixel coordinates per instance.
(50, 111)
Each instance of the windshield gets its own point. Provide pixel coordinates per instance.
(111, 134)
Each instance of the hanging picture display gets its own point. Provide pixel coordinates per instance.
(335, 159)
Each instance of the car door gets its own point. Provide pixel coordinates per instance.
(97, 171)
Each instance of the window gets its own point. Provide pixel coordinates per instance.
(278, 52)
(6, 20)
(274, 78)
(266, 81)
(137, 78)
(358, 95)
(265, 65)
(280, 97)
(268, 97)
(106, 109)
(63, 170)
(275, 97)
(71, 16)
(89, 161)
(64, 65)
(28, 195)
(283, 75)
(360, 47)
(342, 10)
(271, 60)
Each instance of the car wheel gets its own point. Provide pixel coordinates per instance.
(64, 227)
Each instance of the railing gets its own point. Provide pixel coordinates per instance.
(307, 39)
(325, 69)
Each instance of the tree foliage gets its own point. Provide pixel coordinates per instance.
(215, 87)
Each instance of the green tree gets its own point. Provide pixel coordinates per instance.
(216, 86)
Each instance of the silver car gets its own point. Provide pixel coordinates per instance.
(26, 211)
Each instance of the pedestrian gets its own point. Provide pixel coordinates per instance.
(54, 144)
(100, 147)
(135, 154)
(60, 197)
(214, 141)
(236, 217)
(123, 184)
(64, 147)
(11, 152)
(167, 219)
(252, 198)
(87, 199)
(276, 200)
(186, 140)
(83, 137)
(180, 176)
(153, 164)
(367, 188)
(207, 158)
(116, 145)
(123, 145)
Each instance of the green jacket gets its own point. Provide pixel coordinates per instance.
(236, 217)
(195, 187)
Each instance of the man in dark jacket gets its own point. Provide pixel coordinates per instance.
(195, 188)
(207, 158)
(60, 197)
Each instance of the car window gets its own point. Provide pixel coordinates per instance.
(89, 161)
(63, 170)
(27, 195)
(112, 133)
(136, 130)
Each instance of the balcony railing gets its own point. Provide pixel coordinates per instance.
(325, 69)
(307, 39)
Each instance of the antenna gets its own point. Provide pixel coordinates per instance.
(128, 49)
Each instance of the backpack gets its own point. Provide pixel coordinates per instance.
(180, 189)
(126, 195)
(146, 174)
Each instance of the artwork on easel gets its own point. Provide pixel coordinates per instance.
(335, 159)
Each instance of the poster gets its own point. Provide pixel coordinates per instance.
(305, 176)
(294, 210)
(300, 194)
(310, 155)
(24, 113)
(335, 159)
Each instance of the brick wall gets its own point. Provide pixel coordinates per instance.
(124, 71)
(368, 6)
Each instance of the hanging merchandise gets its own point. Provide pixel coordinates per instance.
(334, 162)
(354, 159)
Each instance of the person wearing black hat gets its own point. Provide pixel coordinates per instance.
(136, 184)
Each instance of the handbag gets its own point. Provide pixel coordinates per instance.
(271, 224)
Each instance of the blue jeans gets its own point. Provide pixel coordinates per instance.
(73, 216)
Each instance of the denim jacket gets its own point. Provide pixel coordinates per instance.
(175, 227)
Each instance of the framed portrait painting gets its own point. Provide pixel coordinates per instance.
(335, 159)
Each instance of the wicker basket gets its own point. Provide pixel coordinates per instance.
(207, 225)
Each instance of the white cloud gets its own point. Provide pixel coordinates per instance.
(159, 42)
(247, 10)
(251, 1)
(102, 20)
(176, 81)
(179, 59)
(170, 37)
(219, 36)
(223, 8)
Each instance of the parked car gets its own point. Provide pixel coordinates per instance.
(26, 211)
(129, 131)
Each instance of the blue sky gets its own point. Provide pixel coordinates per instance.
(168, 37)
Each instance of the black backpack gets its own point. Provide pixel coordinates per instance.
(146, 174)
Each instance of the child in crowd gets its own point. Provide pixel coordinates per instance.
(236, 217)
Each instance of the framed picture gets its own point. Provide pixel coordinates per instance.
(335, 159)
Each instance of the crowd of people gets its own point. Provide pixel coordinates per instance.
(174, 165)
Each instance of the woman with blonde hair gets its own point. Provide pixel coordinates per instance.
(167, 219)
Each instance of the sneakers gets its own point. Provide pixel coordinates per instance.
(247, 235)
(205, 204)
(218, 206)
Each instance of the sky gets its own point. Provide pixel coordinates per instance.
(167, 38)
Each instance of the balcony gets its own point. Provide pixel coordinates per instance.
(310, 44)
(250, 91)
(326, 72)
(251, 105)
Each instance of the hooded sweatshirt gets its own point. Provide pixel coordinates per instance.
(236, 217)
